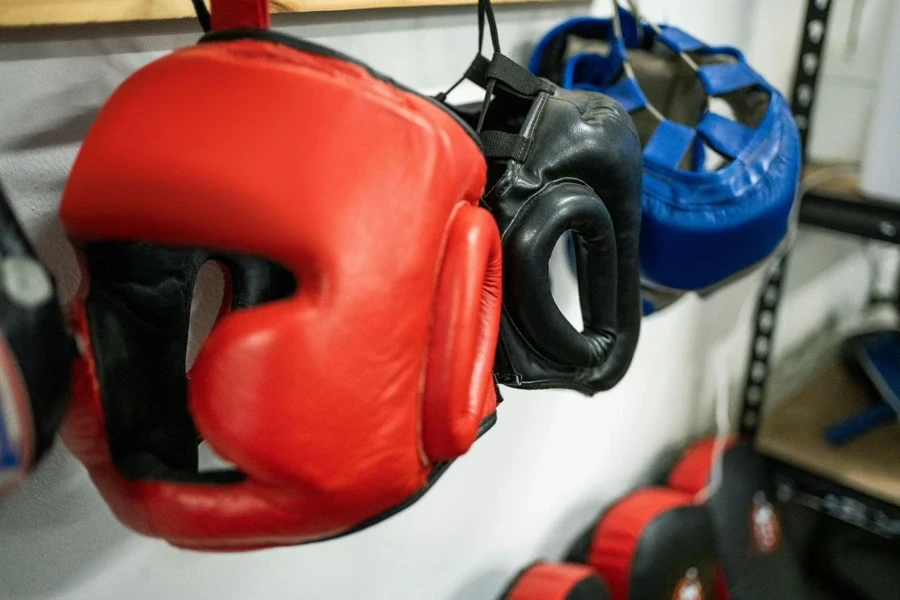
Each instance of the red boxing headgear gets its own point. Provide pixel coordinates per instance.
(364, 285)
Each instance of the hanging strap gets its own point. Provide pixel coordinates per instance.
(238, 14)
(202, 15)
(478, 67)
(514, 78)
(511, 76)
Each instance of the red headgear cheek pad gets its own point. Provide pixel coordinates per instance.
(364, 282)
(655, 544)
(549, 581)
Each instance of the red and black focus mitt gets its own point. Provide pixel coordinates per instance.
(757, 562)
(655, 544)
(36, 353)
(556, 581)
(352, 358)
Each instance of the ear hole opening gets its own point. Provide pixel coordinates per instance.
(722, 108)
(562, 267)
(207, 303)
(645, 123)
(712, 160)
(209, 462)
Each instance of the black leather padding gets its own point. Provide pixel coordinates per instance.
(582, 174)
(751, 573)
(589, 588)
(856, 564)
(38, 338)
(675, 542)
(139, 310)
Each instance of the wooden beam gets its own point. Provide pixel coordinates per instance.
(25, 13)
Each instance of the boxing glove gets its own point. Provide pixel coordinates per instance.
(36, 352)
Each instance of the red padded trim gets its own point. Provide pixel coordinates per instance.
(721, 589)
(691, 474)
(617, 535)
(548, 581)
(239, 14)
(318, 397)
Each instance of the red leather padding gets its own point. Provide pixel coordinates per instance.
(691, 473)
(367, 193)
(548, 581)
(617, 535)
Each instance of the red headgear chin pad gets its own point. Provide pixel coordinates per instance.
(655, 544)
(357, 355)
(551, 581)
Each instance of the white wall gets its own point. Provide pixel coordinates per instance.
(525, 490)
(850, 67)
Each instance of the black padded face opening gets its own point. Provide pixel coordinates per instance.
(139, 309)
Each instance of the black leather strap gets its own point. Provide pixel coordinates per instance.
(504, 146)
(515, 78)
(203, 15)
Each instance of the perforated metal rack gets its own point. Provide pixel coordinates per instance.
(869, 219)
(806, 78)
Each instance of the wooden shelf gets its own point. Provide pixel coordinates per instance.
(794, 433)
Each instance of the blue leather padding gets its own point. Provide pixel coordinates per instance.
(669, 144)
(587, 27)
(720, 79)
(698, 229)
(678, 40)
(591, 27)
(631, 30)
(723, 135)
(8, 457)
(626, 92)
